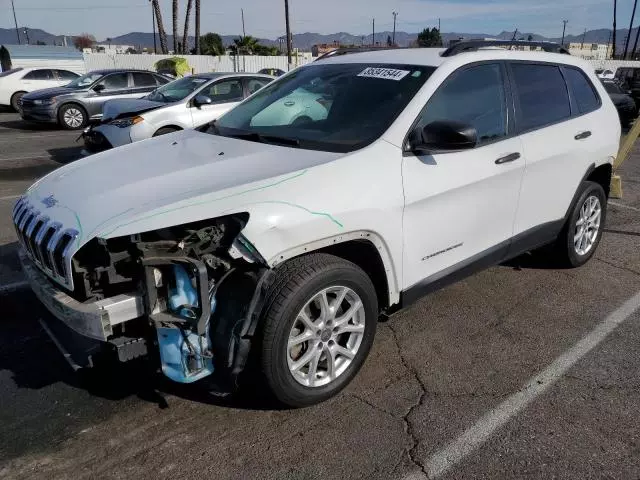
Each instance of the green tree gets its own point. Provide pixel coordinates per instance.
(244, 45)
(211, 44)
(266, 51)
(429, 38)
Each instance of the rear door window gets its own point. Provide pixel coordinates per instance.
(255, 84)
(42, 74)
(66, 75)
(541, 95)
(224, 91)
(142, 80)
(584, 93)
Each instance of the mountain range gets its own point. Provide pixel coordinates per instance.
(305, 41)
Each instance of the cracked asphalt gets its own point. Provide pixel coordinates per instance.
(435, 370)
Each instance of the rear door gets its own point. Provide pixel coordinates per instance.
(224, 94)
(460, 206)
(559, 138)
(39, 79)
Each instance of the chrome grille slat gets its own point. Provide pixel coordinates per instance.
(47, 243)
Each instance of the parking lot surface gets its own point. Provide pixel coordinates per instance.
(523, 370)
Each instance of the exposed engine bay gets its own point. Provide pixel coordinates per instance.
(203, 285)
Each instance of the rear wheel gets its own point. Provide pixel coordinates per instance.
(72, 117)
(15, 99)
(581, 235)
(319, 326)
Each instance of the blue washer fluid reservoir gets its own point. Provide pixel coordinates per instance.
(185, 356)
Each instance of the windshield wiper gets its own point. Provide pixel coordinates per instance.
(261, 138)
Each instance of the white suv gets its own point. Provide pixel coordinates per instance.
(284, 242)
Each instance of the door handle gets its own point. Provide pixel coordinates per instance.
(508, 158)
(582, 135)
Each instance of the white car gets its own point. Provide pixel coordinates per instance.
(289, 241)
(605, 74)
(186, 103)
(18, 81)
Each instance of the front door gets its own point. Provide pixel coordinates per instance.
(224, 95)
(116, 85)
(460, 206)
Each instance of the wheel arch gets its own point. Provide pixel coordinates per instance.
(602, 175)
(177, 128)
(364, 248)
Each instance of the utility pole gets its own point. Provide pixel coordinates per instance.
(244, 34)
(289, 46)
(613, 45)
(583, 35)
(26, 34)
(15, 21)
(633, 14)
(564, 29)
(373, 37)
(439, 31)
(153, 23)
(393, 39)
(635, 45)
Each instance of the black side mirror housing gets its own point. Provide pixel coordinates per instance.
(443, 136)
(99, 88)
(200, 100)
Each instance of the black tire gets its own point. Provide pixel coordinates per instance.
(14, 100)
(566, 251)
(78, 120)
(165, 130)
(296, 283)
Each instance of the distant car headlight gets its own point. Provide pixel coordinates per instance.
(46, 101)
(127, 122)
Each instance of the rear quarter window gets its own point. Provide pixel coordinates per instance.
(584, 94)
(541, 94)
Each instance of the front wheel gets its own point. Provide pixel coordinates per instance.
(15, 100)
(72, 117)
(581, 235)
(319, 325)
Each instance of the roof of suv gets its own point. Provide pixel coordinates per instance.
(432, 57)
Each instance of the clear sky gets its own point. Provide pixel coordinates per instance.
(265, 18)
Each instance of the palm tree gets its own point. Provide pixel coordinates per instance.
(161, 33)
(615, 10)
(197, 27)
(175, 26)
(185, 36)
(244, 45)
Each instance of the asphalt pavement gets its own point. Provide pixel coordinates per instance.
(521, 371)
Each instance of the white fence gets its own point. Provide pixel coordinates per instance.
(199, 63)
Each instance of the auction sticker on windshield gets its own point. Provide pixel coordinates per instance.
(386, 73)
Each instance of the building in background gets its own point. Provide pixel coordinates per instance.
(590, 51)
(113, 49)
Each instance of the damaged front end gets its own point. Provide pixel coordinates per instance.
(204, 288)
(198, 290)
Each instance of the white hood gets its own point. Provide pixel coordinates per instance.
(115, 192)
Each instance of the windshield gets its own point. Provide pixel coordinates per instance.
(331, 107)
(84, 81)
(177, 90)
(612, 87)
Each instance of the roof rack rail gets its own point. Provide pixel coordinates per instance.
(346, 50)
(473, 45)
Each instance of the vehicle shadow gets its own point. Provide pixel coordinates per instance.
(34, 362)
(19, 124)
(542, 259)
(65, 155)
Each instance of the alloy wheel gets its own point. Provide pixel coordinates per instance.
(587, 225)
(325, 336)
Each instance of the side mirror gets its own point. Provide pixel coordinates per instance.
(201, 100)
(443, 136)
(99, 88)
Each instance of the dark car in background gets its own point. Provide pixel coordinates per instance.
(75, 104)
(274, 72)
(625, 104)
(629, 80)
